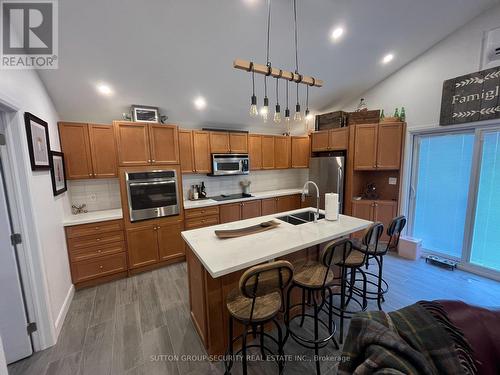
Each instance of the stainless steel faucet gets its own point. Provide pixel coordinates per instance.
(316, 214)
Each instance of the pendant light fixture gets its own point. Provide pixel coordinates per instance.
(267, 70)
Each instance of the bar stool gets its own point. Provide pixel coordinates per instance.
(257, 301)
(315, 278)
(377, 253)
(350, 263)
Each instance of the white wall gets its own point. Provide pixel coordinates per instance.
(43, 225)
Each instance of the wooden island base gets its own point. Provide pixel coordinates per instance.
(207, 298)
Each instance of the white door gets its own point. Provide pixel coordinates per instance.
(13, 321)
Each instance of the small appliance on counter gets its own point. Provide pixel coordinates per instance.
(245, 184)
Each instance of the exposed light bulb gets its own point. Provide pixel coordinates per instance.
(308, 116)
(253, 107)
(277, 114)
(297, 116)
(264, 111)
(287, 115)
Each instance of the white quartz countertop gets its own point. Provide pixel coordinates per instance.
(260, 195)
(223, 256)
(93, 217)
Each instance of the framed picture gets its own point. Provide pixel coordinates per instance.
(144, 113)
(57, 172)
(37, 132)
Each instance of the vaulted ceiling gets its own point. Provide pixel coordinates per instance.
(167, 52)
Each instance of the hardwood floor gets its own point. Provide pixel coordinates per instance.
(141, 325)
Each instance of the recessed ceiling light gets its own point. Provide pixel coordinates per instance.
(337, 33)
(104, 89)
(388, 58)
(200, 103)
(251, 2)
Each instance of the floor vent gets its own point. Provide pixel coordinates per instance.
(441, 262)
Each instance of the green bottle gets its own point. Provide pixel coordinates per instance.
(382, 115)
(402, 115)
(396, 113)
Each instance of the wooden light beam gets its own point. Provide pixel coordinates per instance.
(277, 73)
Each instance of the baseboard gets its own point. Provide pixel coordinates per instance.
(64, 310)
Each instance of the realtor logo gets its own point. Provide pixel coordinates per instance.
(29, 37)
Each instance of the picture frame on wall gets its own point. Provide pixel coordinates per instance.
(57, 173)
(37, 132)
(145, 113)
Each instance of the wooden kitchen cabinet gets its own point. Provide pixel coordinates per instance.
(230, 212)
(201, 147)
(300, 152)
(375, 210)
(287, 203)
(201, 217)
(330, 140)
(146, 144)
(250, 209)
(186, 153)
(154, 242)
(238, 142)
(219, 143)
(255, 151)
(282, 152)
(89, 150)
(378, 146)
(268, 206)
(268, 152)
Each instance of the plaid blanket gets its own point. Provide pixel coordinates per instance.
(418, 339)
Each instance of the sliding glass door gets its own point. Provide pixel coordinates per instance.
(455, 196)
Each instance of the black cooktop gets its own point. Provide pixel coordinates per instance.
(224, 197)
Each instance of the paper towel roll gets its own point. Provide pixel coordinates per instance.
(331, 206)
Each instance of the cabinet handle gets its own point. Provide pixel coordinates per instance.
(158, 227)
(99, 251)
(96, 228)
(101, 267)
(97, 239)
(153, 160)
(149, 160)
(90, 174)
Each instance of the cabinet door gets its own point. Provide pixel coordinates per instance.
(238, 142)
(103, 149)
(365, 147)
(75, 145)
(132, 141)
(229, 212)
(268, 206)
(385, 211)
(255, 151)
(186, 151)
(197, 296)
(170, 243)
(201, 146)
(320, 141)
(282, 152)
(250, 209)
(219, 143)
(339, 139)
(267, 152)
(390, 137)
(142, 244)
(362, 209)
(164, 144)
(287, 203)
(300, 152)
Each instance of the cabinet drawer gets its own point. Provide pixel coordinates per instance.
(93, 268)
(95, 240)
(94, 228)
(201, 222)
(198, 212)
(97, 251)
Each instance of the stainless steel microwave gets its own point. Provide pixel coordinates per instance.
(230, 164)
(152, 194)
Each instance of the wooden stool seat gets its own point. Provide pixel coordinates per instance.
(354, 259)
(240, 307)
(312, 275)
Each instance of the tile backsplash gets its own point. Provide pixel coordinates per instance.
(98, 194)
(261, 181)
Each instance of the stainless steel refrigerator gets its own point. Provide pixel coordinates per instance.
(327, 170)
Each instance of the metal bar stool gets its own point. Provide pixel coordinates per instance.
(350, 263)
(315, 278)
(257, 301)
(377, 253)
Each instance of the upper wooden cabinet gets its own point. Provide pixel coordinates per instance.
(186, 154)
(378, 146)
(268, 152)
(300, 152)
(201, 147)
(282, 152)
(146, 144)
(226, 142)
(330, 140)
(89, 150)
(255, 151)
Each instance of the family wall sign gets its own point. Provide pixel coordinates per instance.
(472, 97)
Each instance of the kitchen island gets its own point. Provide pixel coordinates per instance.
(215, 265)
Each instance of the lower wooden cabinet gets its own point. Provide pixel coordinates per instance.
(268, 206)
(375, 210)
(250, 209)
(287, 203)
(154, 242)
(201, 217)
(230, 212)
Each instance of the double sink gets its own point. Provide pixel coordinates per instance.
(300, 217)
